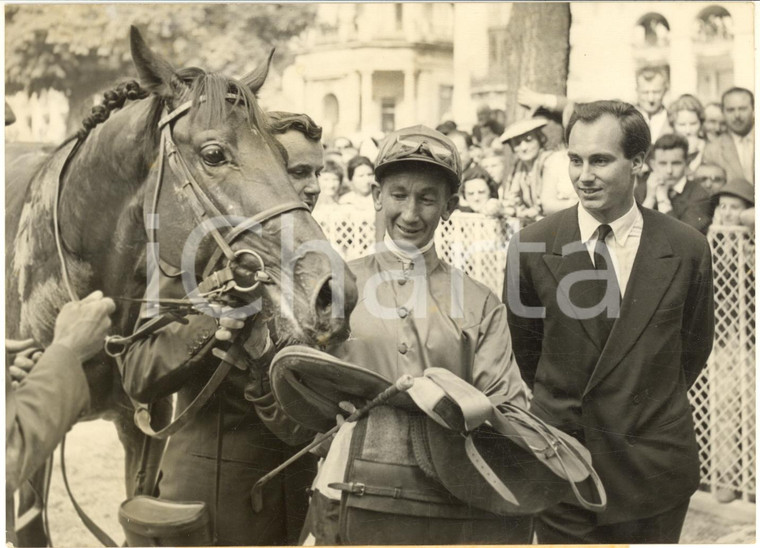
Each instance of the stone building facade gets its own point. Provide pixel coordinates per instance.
(366, 68)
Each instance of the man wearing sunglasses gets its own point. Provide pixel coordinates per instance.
(712, 177)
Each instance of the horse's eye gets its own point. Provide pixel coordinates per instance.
(213, 155)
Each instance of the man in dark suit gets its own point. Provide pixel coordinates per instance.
(669, 191)
(611, 316)
(734, 150)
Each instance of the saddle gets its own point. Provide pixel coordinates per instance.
(442, 448)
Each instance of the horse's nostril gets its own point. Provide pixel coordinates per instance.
(323, 303)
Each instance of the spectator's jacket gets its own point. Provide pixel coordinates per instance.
(627, 398)
(40, 411)
(722, 151)
(37, 415)
(692, 206)
(526, 184)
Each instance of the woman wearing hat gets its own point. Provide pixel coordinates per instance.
(523, 188)
(417, 312)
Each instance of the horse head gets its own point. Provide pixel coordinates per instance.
(224, 206)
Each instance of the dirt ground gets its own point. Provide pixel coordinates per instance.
(95, 464)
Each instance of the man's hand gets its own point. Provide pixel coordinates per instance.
(81, 326)
(533, 100)
(23, 363)
(232, 321)
(656, 189)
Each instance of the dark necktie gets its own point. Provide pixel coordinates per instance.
(603, 261)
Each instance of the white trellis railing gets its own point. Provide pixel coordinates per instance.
(723, 398)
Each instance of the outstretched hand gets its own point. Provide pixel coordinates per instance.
(82, 326)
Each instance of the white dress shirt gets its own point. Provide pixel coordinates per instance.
(745, 147)
(657, 122)
(622, 243)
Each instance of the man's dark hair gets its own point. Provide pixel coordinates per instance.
(281, 122)
(466, 136)
(737, 90)
(636, 134)
(671, 141)
(357, 161)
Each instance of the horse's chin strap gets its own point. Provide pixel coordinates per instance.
(203, 208)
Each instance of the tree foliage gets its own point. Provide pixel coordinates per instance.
(69, 47)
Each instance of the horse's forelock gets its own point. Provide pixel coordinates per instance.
(215, 89)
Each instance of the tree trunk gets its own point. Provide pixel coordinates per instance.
(538, 47)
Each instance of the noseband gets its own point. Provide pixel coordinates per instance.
(214, 282)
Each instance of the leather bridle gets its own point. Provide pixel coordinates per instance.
(215, 282)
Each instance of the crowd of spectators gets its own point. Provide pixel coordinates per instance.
(518, 170)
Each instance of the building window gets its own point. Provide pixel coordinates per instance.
(388, 114)
(399, 16)
(652, 30)
(330, 113)
(713, 39)
(713, 24)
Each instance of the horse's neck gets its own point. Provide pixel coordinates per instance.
(100, 216)
(109, 168)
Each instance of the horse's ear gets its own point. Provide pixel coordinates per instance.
(156, 74)
(255, 79)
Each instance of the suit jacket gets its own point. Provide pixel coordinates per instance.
(692, 206)
(628, 399)
(723, 152)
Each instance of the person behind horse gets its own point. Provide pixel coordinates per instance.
(300, 138)
(409, 321)
(256, 438)
(45, 395)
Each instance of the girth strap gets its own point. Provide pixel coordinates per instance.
(361, 489)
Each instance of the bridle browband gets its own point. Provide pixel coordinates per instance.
(214, 282)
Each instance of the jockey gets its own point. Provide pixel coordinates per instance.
(418, 312)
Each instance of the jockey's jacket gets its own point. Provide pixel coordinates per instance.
(419, 312)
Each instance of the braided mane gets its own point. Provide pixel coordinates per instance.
(194, 83)
(113, 99)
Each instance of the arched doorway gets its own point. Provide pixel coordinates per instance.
(330, 115)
